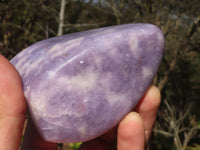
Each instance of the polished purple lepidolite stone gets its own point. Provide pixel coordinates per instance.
(80, 85)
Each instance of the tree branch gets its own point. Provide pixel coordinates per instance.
(116, 12)
(61, 17)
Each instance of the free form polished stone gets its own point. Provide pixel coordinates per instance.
(80, 85)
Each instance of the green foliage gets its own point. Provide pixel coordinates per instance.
(195, 147)
(75, 146)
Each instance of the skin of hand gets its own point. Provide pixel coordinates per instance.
(131, 134)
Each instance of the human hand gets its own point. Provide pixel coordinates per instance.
(12, 113)
(131, 134)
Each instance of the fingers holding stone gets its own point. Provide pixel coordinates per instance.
(147, 108)
(135, 128)
(12, 106)
(11, 93)
(131, 134)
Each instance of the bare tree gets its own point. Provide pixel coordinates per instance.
(174, 125)
(61, 17)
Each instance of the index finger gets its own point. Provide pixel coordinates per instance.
(148, 107)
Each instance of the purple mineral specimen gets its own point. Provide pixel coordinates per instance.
(80, 85)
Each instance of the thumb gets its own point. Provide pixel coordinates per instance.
(12, 106)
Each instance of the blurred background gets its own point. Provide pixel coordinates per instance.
(24, 22)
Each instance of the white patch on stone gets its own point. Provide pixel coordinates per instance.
(160, 36)
(113, 51)
(81, 62)
(82, 130)
(54, 49)
(118, 36)
(39, 99)
(20, 55)
(75, 57)
(33, 47)
(51, 75)
(76, 41)
(34, 66)
(105, 81)
(98, 59)
(133, 42)
(103, 32)
(146, 72)
(38, 102)
(21, 62)
(61, 81)
(83, 82)
(70, 60)
(23, 68)
(27, 91)
(114, 98)
(85, 100)
(62, 48)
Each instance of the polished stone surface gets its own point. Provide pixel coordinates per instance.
(80, 85)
